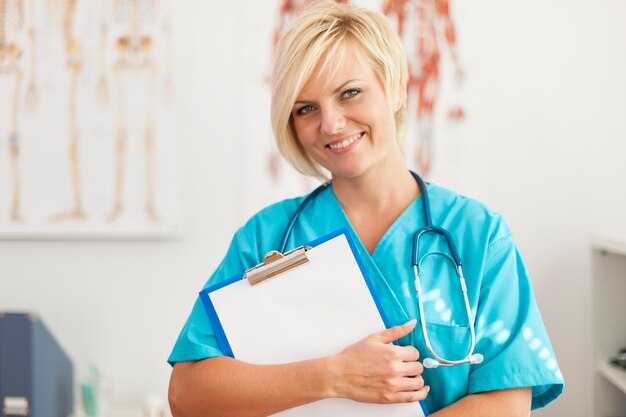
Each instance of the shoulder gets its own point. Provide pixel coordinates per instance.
(470, 214)
(259, 235)
(278, 214)
(262, 232)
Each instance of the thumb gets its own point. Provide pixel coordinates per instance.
(396, 332)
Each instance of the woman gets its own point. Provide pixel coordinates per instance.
(338, 109)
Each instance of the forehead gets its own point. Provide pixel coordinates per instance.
(347, 62)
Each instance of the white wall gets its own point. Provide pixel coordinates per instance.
(547, 99)
(545, 135)
(122, 304)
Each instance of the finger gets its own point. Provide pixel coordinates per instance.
(412, 396)
(411, 383)
(396, 332)
(409, 353)
(412, 369)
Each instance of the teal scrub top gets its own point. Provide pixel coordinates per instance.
(510, 333)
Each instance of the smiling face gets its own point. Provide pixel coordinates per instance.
(344, 120)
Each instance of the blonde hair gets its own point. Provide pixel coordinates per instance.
(313, 41)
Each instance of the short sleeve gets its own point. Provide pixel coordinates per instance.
(510, 333)
(197, 339)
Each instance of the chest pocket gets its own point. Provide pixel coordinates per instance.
(447, 326)
(452, 342)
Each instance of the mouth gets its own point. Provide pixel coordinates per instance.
(344, 144)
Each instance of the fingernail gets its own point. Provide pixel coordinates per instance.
(410, 323)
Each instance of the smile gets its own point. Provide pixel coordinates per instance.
(343, 144)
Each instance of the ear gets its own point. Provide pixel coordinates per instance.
(397, 105)
(398, 100)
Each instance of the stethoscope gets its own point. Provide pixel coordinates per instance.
(437, 360)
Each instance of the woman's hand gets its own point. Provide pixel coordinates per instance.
(374, 370)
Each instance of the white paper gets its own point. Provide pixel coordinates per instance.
(314, 310)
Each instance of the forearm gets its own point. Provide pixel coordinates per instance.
(372, 370)
(502, 403)
(226, 387)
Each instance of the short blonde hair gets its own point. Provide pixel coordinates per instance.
(314, 39)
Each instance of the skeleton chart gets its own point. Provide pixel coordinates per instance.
(95, 157)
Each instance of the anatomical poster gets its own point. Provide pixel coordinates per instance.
(87, 147)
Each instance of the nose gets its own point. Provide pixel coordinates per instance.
(333, 121)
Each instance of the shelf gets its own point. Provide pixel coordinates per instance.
(606, 292)
(615, 375)
(609, 243)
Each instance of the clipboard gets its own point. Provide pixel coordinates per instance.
(310, 302)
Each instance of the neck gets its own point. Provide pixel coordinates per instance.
(380, 188)
(375, 199)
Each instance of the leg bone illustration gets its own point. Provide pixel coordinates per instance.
(74, 63)
(134, 54)
(12, 19)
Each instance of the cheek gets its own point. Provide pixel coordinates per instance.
(371, 113)
(385, 123)
(304, 131)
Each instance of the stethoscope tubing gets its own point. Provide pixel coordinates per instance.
(296, 214)
(430, 228)
(438, 360)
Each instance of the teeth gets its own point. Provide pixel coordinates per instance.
(345, 143)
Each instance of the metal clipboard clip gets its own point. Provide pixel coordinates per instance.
(276, 263)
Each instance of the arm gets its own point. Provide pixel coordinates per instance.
(502, 403)
(372, 370)
(223, 386)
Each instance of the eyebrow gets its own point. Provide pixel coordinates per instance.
(337, 90)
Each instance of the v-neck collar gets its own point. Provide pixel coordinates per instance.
(412, 211)
(382, 284)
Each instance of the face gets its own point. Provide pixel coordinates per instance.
(345, 122)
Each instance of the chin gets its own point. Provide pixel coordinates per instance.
(350, 168)
(348, 173)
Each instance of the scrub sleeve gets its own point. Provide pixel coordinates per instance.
(510, 332)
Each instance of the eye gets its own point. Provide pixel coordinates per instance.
(305, 109)
(351, 93)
